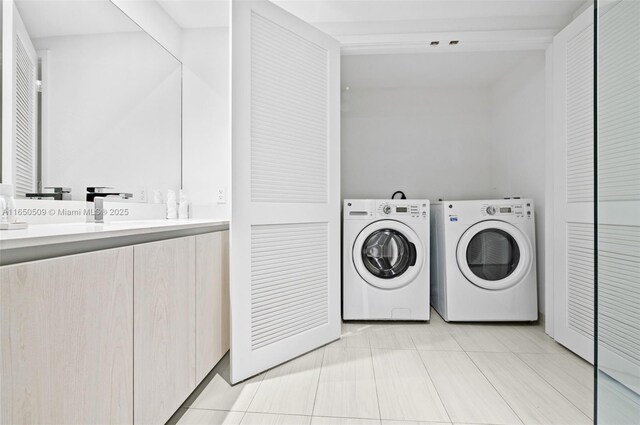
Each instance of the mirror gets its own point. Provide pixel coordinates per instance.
(108, 108)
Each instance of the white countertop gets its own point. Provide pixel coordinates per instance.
(47, 234)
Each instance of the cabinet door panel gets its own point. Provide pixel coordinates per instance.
(67, 338)
(164, 328)
(225, 333)
(212, 300)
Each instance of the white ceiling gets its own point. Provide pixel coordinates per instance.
(190, 14)
(348, 17)
(408, 26)
(358, 16)
(378, 21)
(471, 69)
(50, 18)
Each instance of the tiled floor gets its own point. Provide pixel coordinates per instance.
(409, 374)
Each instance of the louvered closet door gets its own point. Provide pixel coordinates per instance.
(19, 164)
(574, 183)
(618, 166)
(285, 227)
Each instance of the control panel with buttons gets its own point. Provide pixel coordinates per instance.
(524, 210)
(508, 210)
(404, 209)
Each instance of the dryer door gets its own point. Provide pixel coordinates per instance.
(388, 254)
(494, 254)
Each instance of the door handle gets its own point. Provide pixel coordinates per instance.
(412, 254)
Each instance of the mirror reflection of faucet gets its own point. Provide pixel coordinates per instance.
(52, 193)
(97, 194)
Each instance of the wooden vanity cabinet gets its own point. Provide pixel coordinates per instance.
(181, 317)
(164, 327)
(67, 339)
(212, 300)
(120, 335)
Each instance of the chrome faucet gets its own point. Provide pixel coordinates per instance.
(97, 195)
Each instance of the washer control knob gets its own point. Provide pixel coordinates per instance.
(491, 210)
(386, 209)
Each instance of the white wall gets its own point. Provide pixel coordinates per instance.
(113, 112)
(518, 144)
(154, 20)
(206, 143)
(429, 142)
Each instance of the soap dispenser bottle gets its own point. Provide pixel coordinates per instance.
(172, 205)
(183, 206)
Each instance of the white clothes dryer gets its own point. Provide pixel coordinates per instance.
(385, 259)
(483, 260)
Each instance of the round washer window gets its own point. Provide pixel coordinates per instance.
(387, 253)
(493, 254)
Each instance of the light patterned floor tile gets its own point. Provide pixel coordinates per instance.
(459, 423)
(477, 337)
(467, 395)
(218, 394)
(544, 341)
(570, 375)
(515, 338)
(205, 417)
(321, 420)
(393, 336)
(617, 404)
(290, 388)
(434, 317)
(405, 391)
(347, 386)
(434, 337)
(533, 399)
(354, 334)
(390, 422)
(271, 419)
(543, 382)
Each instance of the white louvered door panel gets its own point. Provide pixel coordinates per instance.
(619, 192)
(20, 106)
(580, 278)
(574, 183)
(285, 226)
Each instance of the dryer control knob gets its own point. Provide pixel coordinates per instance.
(491, 210)
(386, 209)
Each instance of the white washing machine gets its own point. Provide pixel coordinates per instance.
(483, 262)
(385, 260)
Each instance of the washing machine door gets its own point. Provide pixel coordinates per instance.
(388, 254)
(494, 254)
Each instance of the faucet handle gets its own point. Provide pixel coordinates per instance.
(97, 189)
(58, 189)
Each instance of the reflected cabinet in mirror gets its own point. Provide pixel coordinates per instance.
(88, 100)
